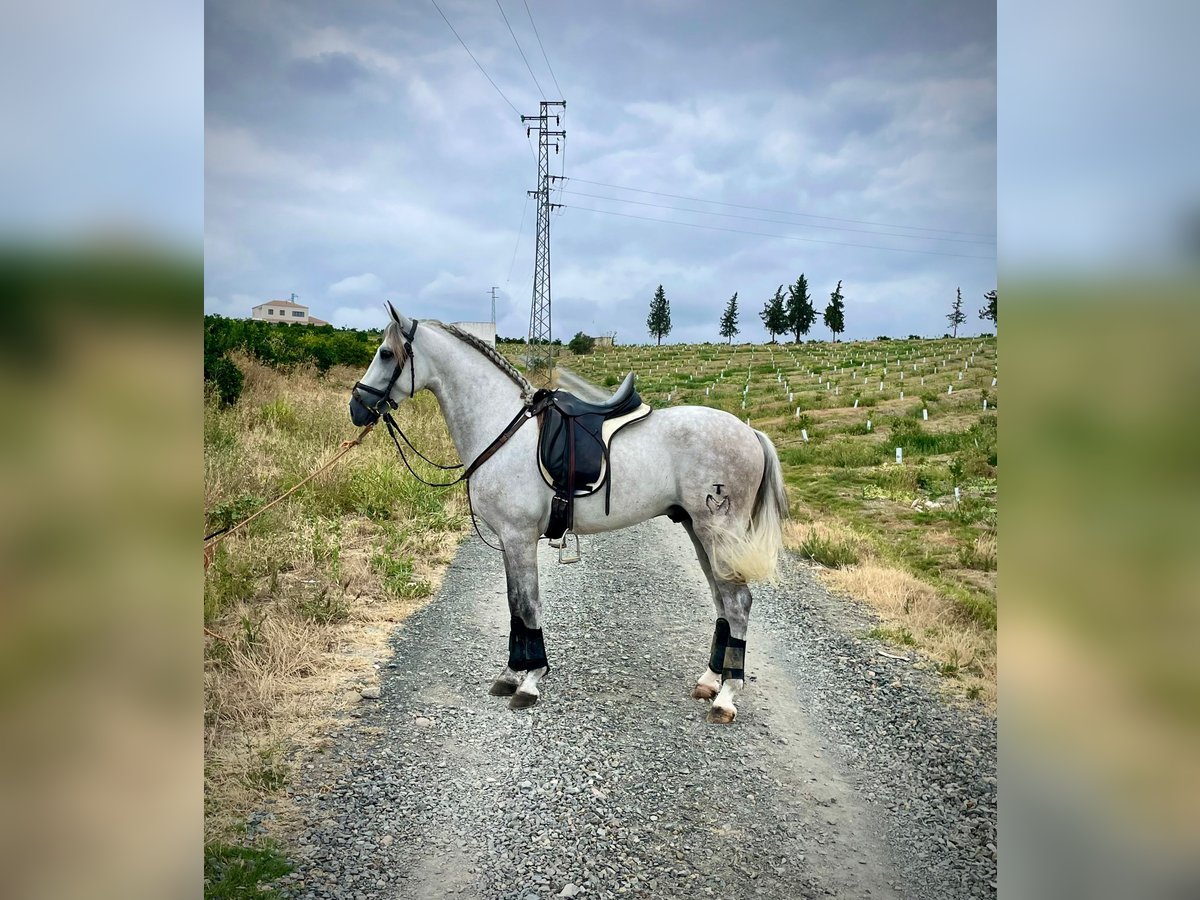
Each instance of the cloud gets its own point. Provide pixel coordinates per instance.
(366, 318)
(344, 138)
(366, 283)
(445, 284)
(330, 72)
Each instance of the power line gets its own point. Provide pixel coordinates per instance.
(544, 56)
(705, 212)
(541, 93)
(473, 59)
(784, 237)
(785, 212)
(517, 246)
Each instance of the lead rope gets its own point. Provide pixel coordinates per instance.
(212, 539)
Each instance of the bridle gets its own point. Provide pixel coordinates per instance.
(383, 406)
(385, 395)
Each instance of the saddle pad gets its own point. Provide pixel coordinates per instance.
(592, 432)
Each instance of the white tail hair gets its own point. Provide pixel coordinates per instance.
(753, 555)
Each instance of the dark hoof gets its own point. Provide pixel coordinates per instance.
(502, 688)
(703, 692)
(718, 715)
(522, 700)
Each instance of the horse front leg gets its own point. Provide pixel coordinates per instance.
(527, 663)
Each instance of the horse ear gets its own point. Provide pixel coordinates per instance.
(400, 319)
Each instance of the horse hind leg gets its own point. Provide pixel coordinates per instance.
(733, 628)
(708, 684)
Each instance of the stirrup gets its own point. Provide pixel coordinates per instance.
(565, 553)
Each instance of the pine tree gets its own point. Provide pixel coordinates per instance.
(729, 319)
(659, 320)
(956, 316)
(989, 311)
(800, 311)
(835, 315)
(774, 315)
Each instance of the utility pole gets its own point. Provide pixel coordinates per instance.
(540, 349)
(494, 289)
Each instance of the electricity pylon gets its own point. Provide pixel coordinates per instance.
(540, 350)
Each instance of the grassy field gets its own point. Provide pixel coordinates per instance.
(892, 534)
(298, 606)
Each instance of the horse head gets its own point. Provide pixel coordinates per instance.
(382, 386)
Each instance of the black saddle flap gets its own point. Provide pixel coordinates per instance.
(555, 448)
(572, 435)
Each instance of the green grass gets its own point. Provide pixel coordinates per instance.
(231, 578)
(899, 637)
(838, 453)
(233, 872)
(829, 552)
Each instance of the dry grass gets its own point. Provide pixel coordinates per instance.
(913, 613)
(962, 651)
(300, 606)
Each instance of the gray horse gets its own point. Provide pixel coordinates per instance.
(702, 467)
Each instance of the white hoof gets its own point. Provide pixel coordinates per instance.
(723, 711)
(527, 693)
(707, 685)
(506, 683)
(722, 715)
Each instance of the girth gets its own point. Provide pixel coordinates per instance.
(573, 446)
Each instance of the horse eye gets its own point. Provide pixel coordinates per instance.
(385, 353)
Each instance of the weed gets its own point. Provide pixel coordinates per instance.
(230, 580)
(951, 667)
(980, 555)
(897, 482)
(233, 872)
(827, 551)
(397, 575)
(324, 607)
(219, 431)
(900, 637)
(327, 545)
(229, 513)
(251, 631)
(279, 413)
(836, 453)
(270, 771)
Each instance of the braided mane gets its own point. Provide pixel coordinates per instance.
(393, 337)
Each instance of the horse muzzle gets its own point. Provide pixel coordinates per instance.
(360, 414)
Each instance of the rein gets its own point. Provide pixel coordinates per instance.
(528, 410)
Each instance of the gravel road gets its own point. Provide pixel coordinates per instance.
(843, 775)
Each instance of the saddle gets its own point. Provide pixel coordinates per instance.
(573, 446)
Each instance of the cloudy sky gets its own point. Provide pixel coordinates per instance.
(355, 153)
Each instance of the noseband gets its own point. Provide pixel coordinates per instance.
(385, 396)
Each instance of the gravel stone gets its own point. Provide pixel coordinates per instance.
(843, 774)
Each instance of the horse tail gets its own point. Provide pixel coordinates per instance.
(754, 555)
